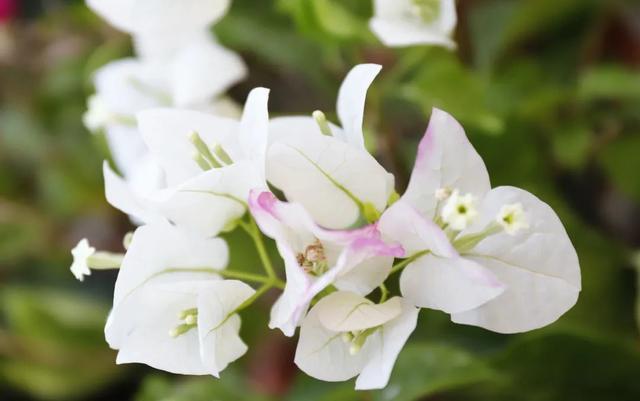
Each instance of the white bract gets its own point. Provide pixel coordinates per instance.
(414, 22)
(354, 260)
(345, 335)
(495, 258)
(327, 168)
(171, 311)
(210, 164)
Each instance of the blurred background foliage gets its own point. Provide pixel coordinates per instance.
(548, 90)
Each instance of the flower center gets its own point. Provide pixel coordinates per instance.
(313, 259)
(427, 10)
(357, 339)
(189, 317)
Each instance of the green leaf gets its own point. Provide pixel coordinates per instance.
(228, 388)
(609, 82)
(569, 367)
(444, 82)
(426, 369)
(621, 162)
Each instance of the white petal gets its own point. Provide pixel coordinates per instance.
(365, 276)
(451, 285)
(383, 354)
(445, 159)
(159, 15)
(128, 86)
(166, 133)
(539, 267)
(351, 101)
(315, 170)
(220, 343)
(121, 196)
(203, 70)
(404, 224)
(211, 200)
(254, 127)
(345, 311)
(143, 322)
(321, 353)
(159, 247)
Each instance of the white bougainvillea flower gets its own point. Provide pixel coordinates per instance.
(153, 16)
(126, 87)
(345, 335)
(171, 311)
(414, 22)
(81, 254)
(354, 260)
(327, 168)
(210, 163)
(86, 258)
(495, 258)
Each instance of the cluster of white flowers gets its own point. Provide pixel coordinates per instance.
(495, 258)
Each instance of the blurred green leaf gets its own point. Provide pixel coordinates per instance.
(54, 345)
(228, 388)
(426, 369)
(444, 82)
(570, 367)
(610, 82)
(621, 161)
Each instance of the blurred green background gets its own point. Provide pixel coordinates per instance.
(548, 90)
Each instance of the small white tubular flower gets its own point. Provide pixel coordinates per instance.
(353, 260)
(414, 22)
(346, 335)
(171, 311)
(146, 16)
(98, 115)
(512, 218)
(459, 211)
(324, 172)
(441, 279)
(81, 254)
(202, 200)
(498, 275)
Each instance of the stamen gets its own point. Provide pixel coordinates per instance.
(222, 156)
(181, 329)
(357, 339)
(200, 161)
(203, 150)
(313, 260)
(322, 122)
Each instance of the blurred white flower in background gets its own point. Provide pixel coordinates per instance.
(176, 67)
(414, 22)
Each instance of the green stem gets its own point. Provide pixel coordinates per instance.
(384, 293)
(257, 278)
(252, 229)
(248, 302)
(401, 265)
